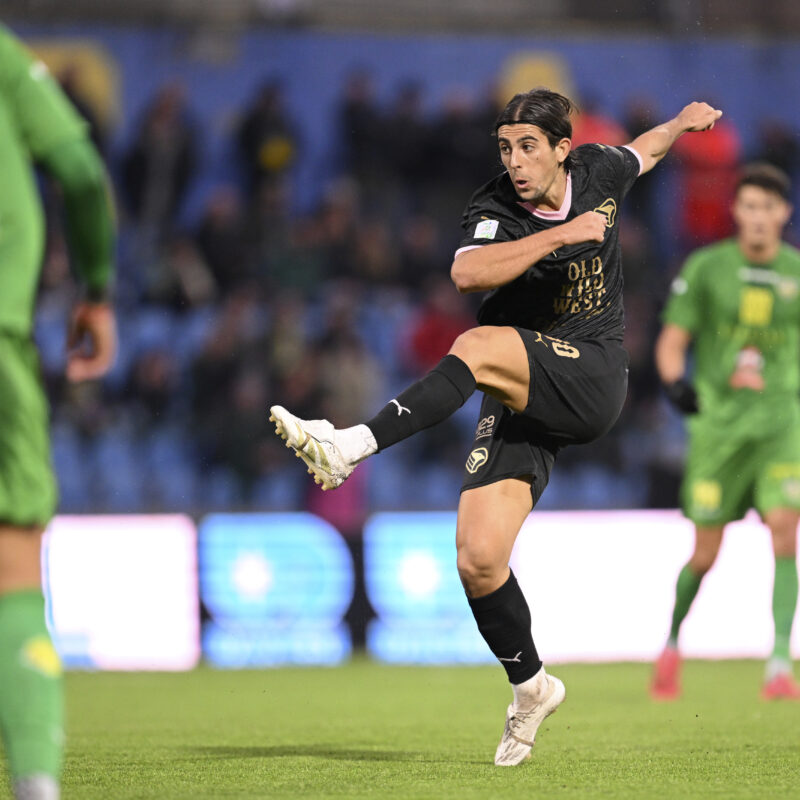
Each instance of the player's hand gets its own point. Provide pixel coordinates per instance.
(91, 341)
(698, 117)
(587, 227)
(682, 395)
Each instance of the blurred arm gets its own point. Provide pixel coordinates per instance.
(56, 137)
(671, 347)
(92, 334)
(79, 171)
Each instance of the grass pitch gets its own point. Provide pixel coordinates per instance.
(372, 731)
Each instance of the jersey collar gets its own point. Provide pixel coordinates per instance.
(554, 216)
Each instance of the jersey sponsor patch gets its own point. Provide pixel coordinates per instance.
(486, 229)
(756, 306)
(786, 286)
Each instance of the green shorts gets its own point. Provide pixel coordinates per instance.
(28, 492)
(727, 476)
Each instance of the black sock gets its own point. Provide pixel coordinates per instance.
(504, 621)
(428, 401)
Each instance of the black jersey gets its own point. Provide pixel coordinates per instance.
(575, 292)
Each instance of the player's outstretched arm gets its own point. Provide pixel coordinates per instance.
(494, 265)
(654, 144)
(92, 337)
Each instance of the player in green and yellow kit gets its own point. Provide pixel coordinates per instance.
(738, 303)
(38, 125)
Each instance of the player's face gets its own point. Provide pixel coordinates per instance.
(760, 216)
(532, 163)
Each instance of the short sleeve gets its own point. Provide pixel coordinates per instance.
(626, 163)
(685, 303)
(42, 113)
(616, 167)
(485, 221)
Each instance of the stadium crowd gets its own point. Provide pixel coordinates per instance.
(329, 312)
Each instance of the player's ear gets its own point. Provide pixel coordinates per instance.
(562, 148)
(734, 208)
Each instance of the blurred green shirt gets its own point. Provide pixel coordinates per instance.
(34, 117)
(741, 316)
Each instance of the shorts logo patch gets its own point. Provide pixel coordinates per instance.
(560, 347)
(788, 476)
(477, 458)
(486, 229)
(707, 495)
(485, 427)
(608, 208)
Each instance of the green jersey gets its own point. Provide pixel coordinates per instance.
(34, 118)
(744, 320)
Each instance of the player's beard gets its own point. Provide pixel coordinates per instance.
(542, 188)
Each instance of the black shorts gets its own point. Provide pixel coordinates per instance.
(577, 390)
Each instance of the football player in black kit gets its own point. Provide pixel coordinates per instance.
(543, 240)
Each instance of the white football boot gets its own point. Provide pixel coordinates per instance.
(519, 734)
(331, 455)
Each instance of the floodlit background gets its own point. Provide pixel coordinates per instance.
(290, 176)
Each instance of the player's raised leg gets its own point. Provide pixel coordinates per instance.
(665, 683)
(779, 681)
(489, 519)
(490, 358)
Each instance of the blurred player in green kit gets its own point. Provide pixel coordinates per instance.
(38, 125)
(738, 303)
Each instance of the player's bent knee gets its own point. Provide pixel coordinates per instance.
(470, 345)
(480, 570)
(702, 560)
(482, 348)
(782, 521)
(477, 345)
(701, 563)
(783, 526)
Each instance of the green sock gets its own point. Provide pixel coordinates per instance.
(685, 592)
(31, 695)
(784, 601)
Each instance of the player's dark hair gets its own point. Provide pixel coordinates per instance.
(767, 177)
(549, 111)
